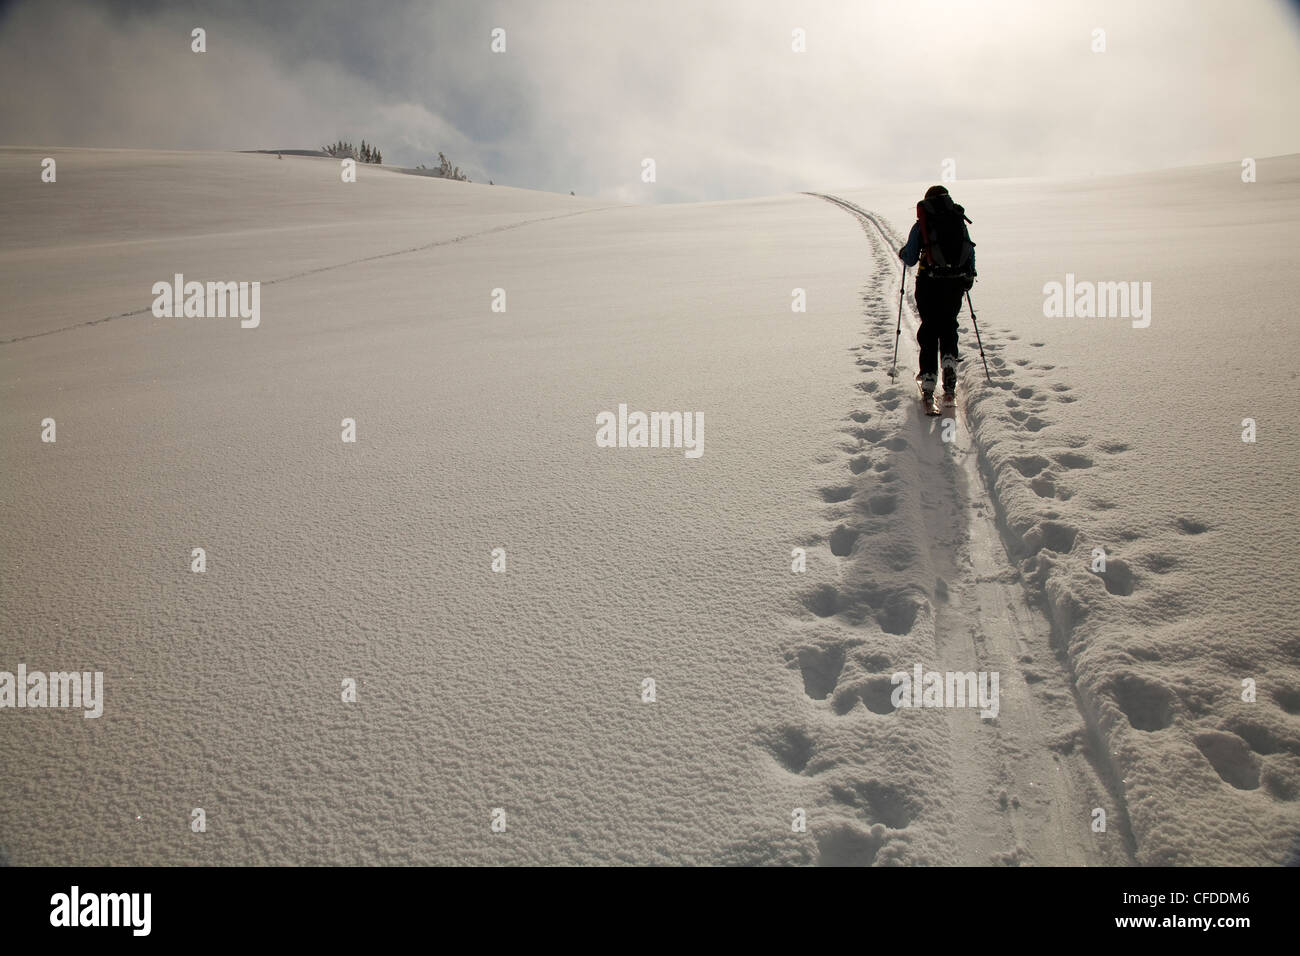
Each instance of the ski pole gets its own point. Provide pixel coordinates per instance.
(893, 369)
(977, 337)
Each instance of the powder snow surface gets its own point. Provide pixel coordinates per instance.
(523, 690)
(1099, 435)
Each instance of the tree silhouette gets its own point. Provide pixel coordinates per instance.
(366, 153)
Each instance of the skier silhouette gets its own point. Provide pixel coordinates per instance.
(941, 245)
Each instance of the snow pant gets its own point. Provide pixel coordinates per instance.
(938, 301)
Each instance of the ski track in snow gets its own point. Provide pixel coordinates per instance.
(921, 577)
(145, 310)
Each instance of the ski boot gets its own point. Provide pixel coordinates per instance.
(950, 379)
(926, 382)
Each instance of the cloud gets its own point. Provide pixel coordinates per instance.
(712, 91)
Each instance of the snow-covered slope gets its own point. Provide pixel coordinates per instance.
(476, 430)
(1100, 435)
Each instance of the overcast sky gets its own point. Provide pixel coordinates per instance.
(710, 89)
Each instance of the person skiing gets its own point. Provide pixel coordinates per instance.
(940, 243)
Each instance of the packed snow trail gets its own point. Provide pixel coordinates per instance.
(1022, 788)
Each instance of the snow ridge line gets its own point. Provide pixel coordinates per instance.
(338, 265)
(1104, 775)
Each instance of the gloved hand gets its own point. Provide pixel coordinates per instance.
(968, 282)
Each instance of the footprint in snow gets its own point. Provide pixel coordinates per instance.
(790, 746)
(1071, 460)
(1148, 706)
(1231, 758)
(1118, 577)
(842, 541)
(820, 666)
(824, 600)
(836, 493)
(877, 802)
(1029, 465)
(876, 694)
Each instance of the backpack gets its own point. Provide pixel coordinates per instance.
(947, 246)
